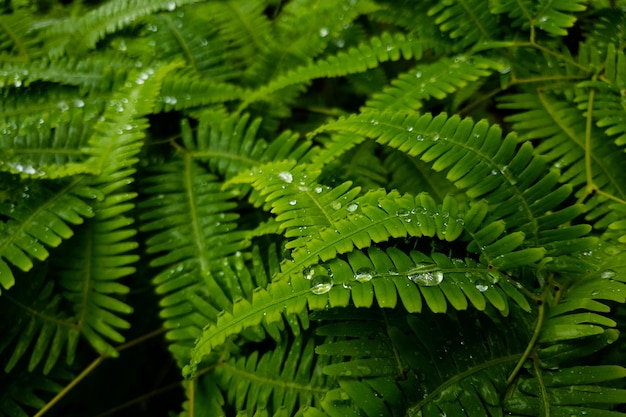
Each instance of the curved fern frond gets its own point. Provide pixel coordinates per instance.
(78, 34)
(479, 162)
(36, 215)
(367, 55)
(437, 80)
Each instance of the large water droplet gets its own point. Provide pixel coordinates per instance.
(481, 285)
(364, 274)
(352, 207)
(321, 284)
(286, 176)
(323, 32)
(608, 274)
(427, 279)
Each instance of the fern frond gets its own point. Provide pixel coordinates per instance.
(17, 44)
(477, 161)
(390, 365)
(286, 378)
(302, 31)
(42, 329)
(436, 80)
(190, 36)
(587, 160)
(77, 34)
(36, 215)
(231, 145)
(103, 254)
(24, 391)
(552, 16)
(183, 89)
(367, 55)
(468, 22)
(199, 232)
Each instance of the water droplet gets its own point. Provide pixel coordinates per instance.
(340, 43)
(308, 273)
(608, 274)
(286, 176)
(79, 103)
(410, 128)
(323, 32)
(435, 137)
(318, 190)
(481, 285)
(352, 207)
(321, 284)
(335, 205)
(170, 100)
(427, 279)
(293, 202)
(419, 138)
(418, 74)
(364, 274)
(171, 6)
(402, 213)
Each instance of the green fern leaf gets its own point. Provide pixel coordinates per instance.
(552, 16)
(437, 80)
(78, 34)
(196, 235)
(478, 161)
(231, 145)
(468, 21)
(286, 378)
(43, 328)
(25, 391)
(367, 55)
(37, 215)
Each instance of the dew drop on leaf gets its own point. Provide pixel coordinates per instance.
(286, 176)
(608, 274)
(352, 207)
(321, 284)
(427, 279)
(364, 274)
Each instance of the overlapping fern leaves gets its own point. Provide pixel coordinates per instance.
(353, 208)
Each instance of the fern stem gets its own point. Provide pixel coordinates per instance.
(92, 367)
(591, 188)
(71, 385)
(414, 411)
(533, 339)
(545, 403)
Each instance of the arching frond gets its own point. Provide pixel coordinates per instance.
(367, 55)
(78, 34)
(436, 80)
(482, 164)
(33, 216)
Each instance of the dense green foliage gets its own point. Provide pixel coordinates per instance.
(313, 208)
